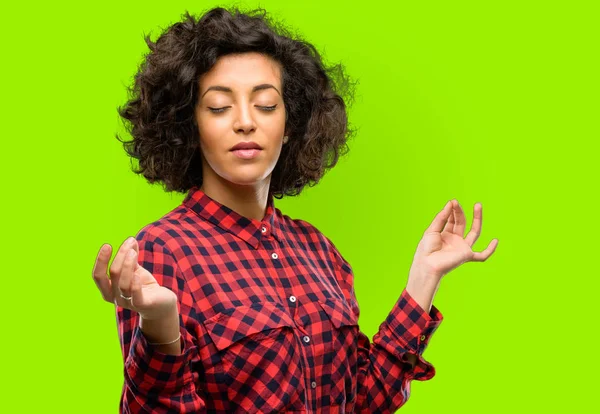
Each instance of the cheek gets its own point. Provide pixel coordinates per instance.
(274, 127)
(209, 133)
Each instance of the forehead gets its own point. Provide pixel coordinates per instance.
(242, 71)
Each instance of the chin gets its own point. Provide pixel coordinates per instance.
(249, 180)
(249, 174)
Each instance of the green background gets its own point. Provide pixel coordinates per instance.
(491, 102)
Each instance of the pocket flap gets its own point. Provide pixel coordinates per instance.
(339, 312)
(233, 324)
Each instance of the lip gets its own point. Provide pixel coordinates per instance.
(247, 154)
(246, 146)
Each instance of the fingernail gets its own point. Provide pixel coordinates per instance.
(131, 253)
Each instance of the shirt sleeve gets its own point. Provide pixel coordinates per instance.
(384, 373)
(155, 382)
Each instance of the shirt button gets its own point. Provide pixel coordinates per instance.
(313, 384)
(292, 298)
(306, 339)
(274, 256)
(423, 337)
(264, 229)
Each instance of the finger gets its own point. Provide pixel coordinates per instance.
(482, 256)
(440, 219)
(461, 221)
(476, 226)
(117, 264)
(100, 275)
(449, 227)
(127, 274)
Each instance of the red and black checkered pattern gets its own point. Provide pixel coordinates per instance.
(269, 321)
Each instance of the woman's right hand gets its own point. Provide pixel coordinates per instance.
(130, 280)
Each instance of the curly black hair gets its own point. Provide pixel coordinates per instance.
(159, 114)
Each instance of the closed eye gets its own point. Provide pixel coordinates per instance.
(219, 110)
(268, 108)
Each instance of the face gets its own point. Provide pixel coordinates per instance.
(240, 101)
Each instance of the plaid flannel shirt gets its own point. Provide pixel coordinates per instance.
(269, 322)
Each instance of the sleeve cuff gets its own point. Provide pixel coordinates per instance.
(148, 369)
(412, 327)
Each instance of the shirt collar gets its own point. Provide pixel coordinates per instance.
(248, 229)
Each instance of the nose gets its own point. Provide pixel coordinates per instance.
(244, 121)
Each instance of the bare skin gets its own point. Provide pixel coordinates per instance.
(156, 305)
(442, 249)
(252, 110)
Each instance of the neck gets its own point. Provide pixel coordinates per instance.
(249, 201)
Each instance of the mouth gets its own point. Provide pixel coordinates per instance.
(246, 145)
(245, 148)
(246, 153)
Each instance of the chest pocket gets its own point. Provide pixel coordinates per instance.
(344, 353)
(259, 358)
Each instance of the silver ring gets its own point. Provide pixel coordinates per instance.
(125, 297)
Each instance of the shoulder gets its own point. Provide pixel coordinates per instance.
(171, 230)
(304, 229)
(314, 234)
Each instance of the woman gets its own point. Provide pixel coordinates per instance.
(224, 304)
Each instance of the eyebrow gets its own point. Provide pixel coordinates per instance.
(260, 87)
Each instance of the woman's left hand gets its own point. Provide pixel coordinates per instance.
(443, 247)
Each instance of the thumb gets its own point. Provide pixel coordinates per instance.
(431, 242)
(440, 219)
(136, 247)
(136, 290)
